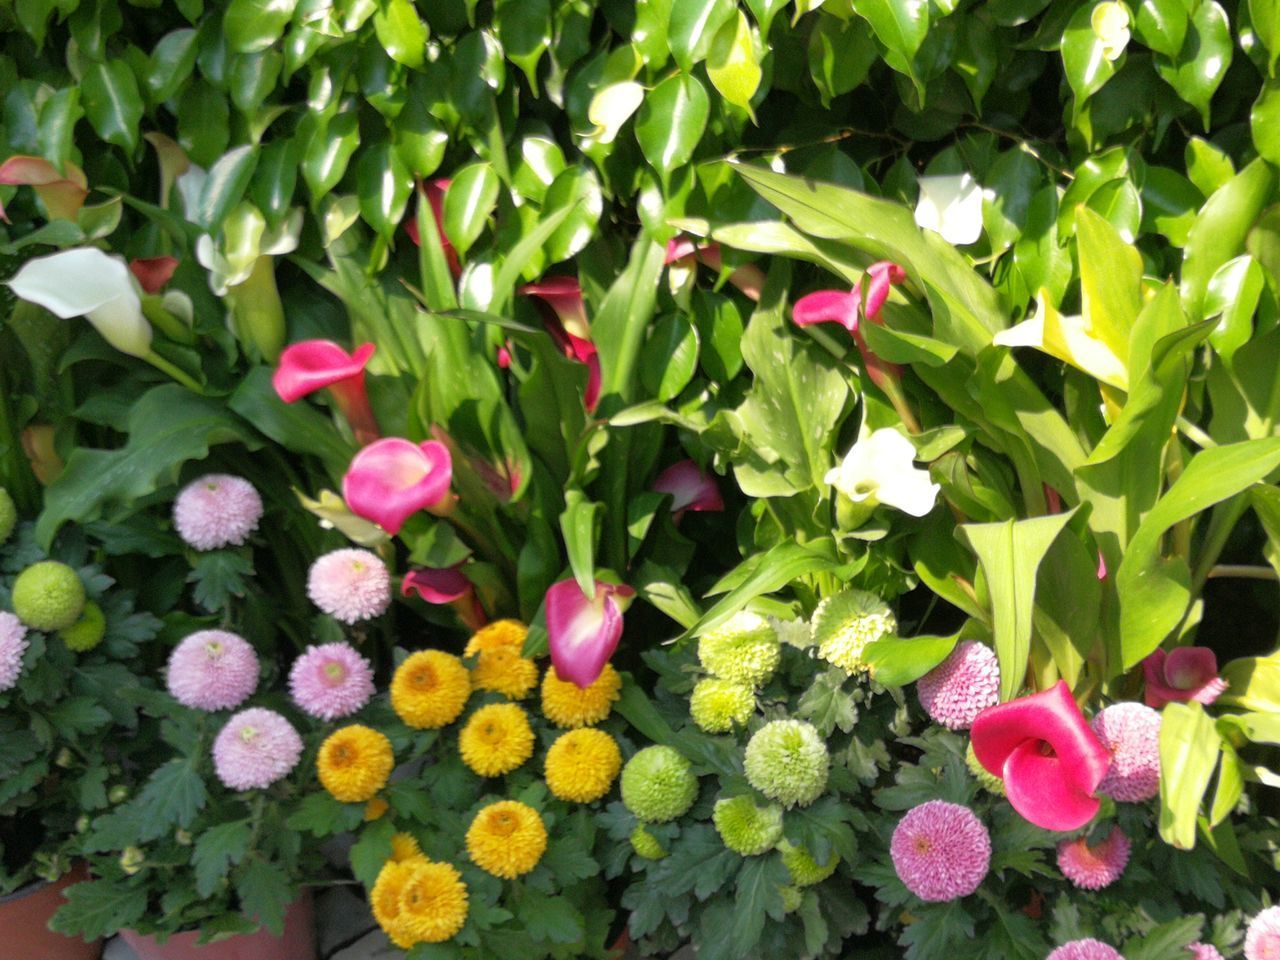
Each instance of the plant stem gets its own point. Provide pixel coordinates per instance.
(164, 366)
(1195, 434)
(1221, 523)
(1242, 572)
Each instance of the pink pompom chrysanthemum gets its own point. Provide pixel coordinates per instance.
(217, 510)
(255, 749)
(350, 585)
(13, 646)
(1262, 941)
(1086, 949)
(212, 670)
(331, 681)
(941, 851)
(1092, 868)
(955, 691)
(1204, 951)
(1131, 732)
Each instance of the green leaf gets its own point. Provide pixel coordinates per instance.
(216, 851)
(167, 427)
(265, 891)
(1013, 181)
(1010, 554)
(253, 25)
(827, 705)
(297, 427)
(1168, 941)
(329, 149)
(1200, 65)
(321, 815)
(172, 61)
(220, 576)
(897, 661)
(99, 908)
(172, 798)
(401, 32)
(693, 27)
(758, 895)
(274, 179)
(1156, 590)
(1264, 122)
(549, 919)
(580, 526)
(669, 357)
(524, 28)
(1170, 203)
(1110, 281)
(671, 122)
(471, 197)
(112, 102)
(1265, 16)
(384, 184)
(1162, 25)
(578, 189)
(733, 66)
(619, 325)
(372, 850)
(1189, 745)
(901, 25)
(227, 182)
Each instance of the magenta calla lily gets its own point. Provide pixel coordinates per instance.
(565, 319)
(315, 365)
(1049, 758)
(584, 631)
(392, 479)
(433, 192)
(152, 273)
(446, 586)
(1183, 675)
(748, 278)
(691, 488)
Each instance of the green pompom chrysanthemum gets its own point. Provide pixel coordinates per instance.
(791, 897)
(746, 649)
(8, 515)
(657, 785)
(87, 632)
(806, 871)
(646, 845)
(990, 783)
(787, 761)
(746, 828)
(843, 625)
(717, 706)
(48, 596)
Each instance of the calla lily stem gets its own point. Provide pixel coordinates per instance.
(164, 366)
(1243, 572)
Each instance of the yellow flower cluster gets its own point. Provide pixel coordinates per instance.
(354, 763)
(496, 739)
(499, 666)
(499, 635)
(507, 839)
(582, 765)
(430, 689)
(419, 901)
(568, 706)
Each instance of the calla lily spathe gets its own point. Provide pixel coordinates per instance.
(446, 586)
(881, 469)
(691, 488)
(392, 479)
(152, 273)
(63, 194)
(951, 206)
(315, 365)
(1181, 676)
(1049, 758)
(1069, 338)
(565, 319)
(85, 282)
(583, 632)
(685, 254)
(432, 192)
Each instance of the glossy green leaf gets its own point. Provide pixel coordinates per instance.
(328, 151)
(671, 122)
(1084, 56)
(580, 527)
(693, 26)
(172, 61)
(203, 123)
(1264, 122)
(1232, 297)
(253, 77)
(900, 25)
(253, 25)
(541, 161)
(1208, 167)
(897, 661)
(841, 53)
(578, 189)
(1162, 25)
(420, 138)
(1253, 683)
(1010, 554)
(1188, 754)
(1110, 281)
(58, 118)
(1012, 182)
(384, 184)
(1200, 65)
(733, 64)
(227, 182)
(401, 32)
(524, 27)
(1265, 16)
(764, 11)
(1170, 203)
(471, 197)
(112, 102)
(669, 357)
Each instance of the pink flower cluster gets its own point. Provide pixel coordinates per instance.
(256, 748)
(1262, 940)
(941, 851)
(217, 510)
(1131, 732)
(1086, 949)
(350, 585)
(331, 681)
(962, 686)
(212, 670)
(13, 646)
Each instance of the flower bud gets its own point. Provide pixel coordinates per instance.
(132, 859)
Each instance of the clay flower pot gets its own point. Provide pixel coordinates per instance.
(24, 923)
(298, 942)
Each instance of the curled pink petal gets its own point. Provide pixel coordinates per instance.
(691, 488)
(152, 273)
(583, 631)
(504, 356)
(1050, 759)
(313, 365)
(564, 296)
(828, 306)
(1187, 674)
(678, 248)
(882, 275)
(392, 479)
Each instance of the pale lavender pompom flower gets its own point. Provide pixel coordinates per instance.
(1131, 731)
(1262, 941)
(955, 691)
(212, 670)
(941, 851)
(350, 585)
(331, 681)
(217, 510)
(13, 646)
(255, 749)
(1086, 949)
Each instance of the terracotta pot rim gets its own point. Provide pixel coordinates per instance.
(26, 890)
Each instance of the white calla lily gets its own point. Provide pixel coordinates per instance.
(881, 469)
(951, 206)
(1069, 338)
(85, 282)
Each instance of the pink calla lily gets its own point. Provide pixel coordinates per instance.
(584, 631)
(565, 319)
(1182, 675)
(152, 273)
(1049, 758)
(315, 365)
(748, 278)
(446, 585)
(63, 193)
(691, 488)
(433, 192)
(392, 479)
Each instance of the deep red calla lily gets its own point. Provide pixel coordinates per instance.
(433, 192)
(152, 273)
(446, 585)
(315, 365)
(1182, 675)
(584, 631)
(1050, 760)
(748, 278)
(565, 318)
(392, 479)
(691, 488)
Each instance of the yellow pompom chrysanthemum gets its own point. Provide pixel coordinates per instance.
(504, 671)
(354, 763)
(384, 900)
(433, 902)
(499, 635)
(430, 689)
(567, 705)
(496, 739)
(374, 809)
(404, 847)
(582, 765)
(507, 839)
